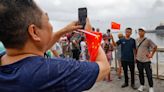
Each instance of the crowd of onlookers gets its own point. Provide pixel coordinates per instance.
(73, 45)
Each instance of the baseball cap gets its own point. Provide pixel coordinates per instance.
(141, 29)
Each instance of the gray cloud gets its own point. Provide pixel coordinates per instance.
(133, 13)
(158, 4)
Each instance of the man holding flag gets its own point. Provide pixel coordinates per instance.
(128, 53)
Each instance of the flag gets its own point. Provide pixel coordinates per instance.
(93, 43)
(115, 25)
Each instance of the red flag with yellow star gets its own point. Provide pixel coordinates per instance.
(115, 26)
(93, 43)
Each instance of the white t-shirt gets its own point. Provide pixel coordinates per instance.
(83, 46)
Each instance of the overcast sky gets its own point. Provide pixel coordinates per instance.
(129, 13)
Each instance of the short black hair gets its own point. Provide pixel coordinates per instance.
(129, 28)
(15, 18)
(108, 30)
(82, 38)
(93, 29)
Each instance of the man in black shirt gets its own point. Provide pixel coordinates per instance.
(128, 53)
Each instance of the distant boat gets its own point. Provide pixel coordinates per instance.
(160, 30)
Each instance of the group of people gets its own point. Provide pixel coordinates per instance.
(138, 51)
(72, 45)
(128, 52)
(26, 34)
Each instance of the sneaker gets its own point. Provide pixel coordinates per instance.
(151, 89)
(124, 85)
(141, 88)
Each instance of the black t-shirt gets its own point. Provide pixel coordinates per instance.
(127, 48)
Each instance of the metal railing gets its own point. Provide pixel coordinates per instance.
(159, 50)
(156, 75)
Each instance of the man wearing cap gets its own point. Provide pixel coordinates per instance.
(145, 51)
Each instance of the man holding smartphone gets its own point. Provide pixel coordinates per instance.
(26, 38)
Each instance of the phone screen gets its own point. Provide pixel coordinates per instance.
(82, 15)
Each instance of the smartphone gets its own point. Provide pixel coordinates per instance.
(82, 15)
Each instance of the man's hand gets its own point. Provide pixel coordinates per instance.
(149, 55)
(72, 27)
(69, 28)
(88, 26)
